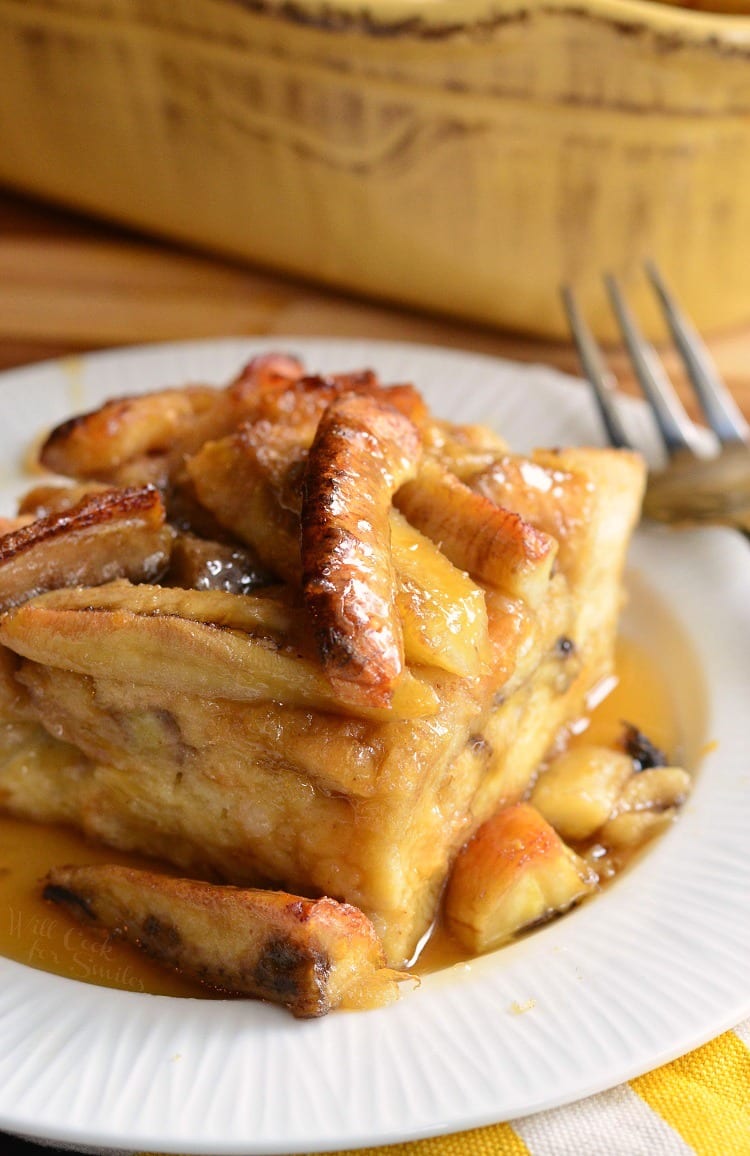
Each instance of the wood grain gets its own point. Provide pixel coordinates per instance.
(69, 285)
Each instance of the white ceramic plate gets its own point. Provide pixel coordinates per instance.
(653, 967)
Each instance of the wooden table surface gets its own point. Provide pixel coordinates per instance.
(69, 285)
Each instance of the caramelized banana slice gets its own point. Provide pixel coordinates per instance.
(555, 499)
(299, 404)
(595, 791)
(515, 872)
(95, 444)
(579, 789)
(362, 452)
(251, 483)
(443, 613)
(147, 436)
(265, 617)
(186, 654)
(267, 372)
(465, 450)
(494, 545)
(561, 492)
(109, 534)
(232, 406)
(311, 955)
(648, 803)
(250, 480)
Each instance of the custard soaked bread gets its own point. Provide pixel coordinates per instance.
(421, 612)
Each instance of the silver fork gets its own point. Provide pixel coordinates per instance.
(697, 484)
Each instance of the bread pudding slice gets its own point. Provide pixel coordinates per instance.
(277, 738)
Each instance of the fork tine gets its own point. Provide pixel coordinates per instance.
(722, 412)
(677, 430)
(602, 380)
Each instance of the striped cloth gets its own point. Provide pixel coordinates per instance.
(699, 1104)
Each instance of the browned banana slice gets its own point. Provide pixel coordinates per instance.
(147, 436)
(267, 618)
(558, 491)
(108, 534)
(251, 481)
(494, 545)
(362, 452)
(159, 637)
(300, 403)
(544, 492)
(266, 373)
(252, 484)
(311, 955)
(96, 444)
(233, 405)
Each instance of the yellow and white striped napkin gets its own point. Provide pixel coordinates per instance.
(698, 1105)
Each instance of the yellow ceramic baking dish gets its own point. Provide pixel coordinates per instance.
(460, 156)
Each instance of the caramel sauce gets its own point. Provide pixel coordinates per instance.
(640, 695)
(35, 933)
